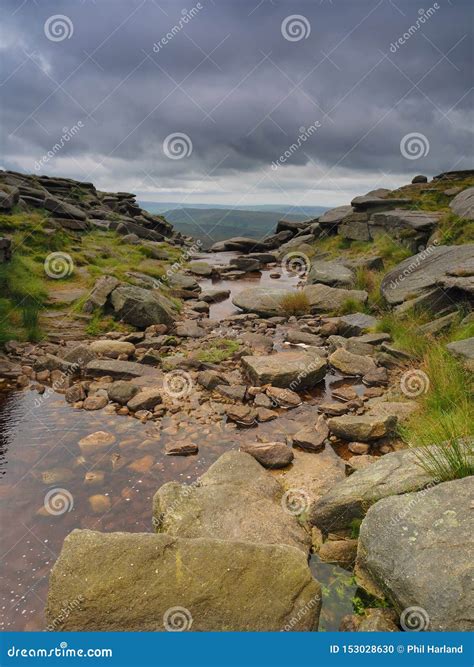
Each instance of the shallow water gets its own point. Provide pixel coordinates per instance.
(40, 434)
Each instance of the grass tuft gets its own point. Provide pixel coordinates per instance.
(296, 303)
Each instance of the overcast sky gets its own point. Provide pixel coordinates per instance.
(243, 81)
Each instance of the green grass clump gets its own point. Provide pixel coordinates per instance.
(22, 284)
(405, 332)
(296, 303)
(446, 418)
(221, 350)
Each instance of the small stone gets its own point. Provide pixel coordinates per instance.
(181, 448)
(312, 439)
(266, 415)
(75, 393)
(143, 464)
(269, 454)
(376, 377)
(100, 504)
(339, 552)
(94, 478)
(96, 442)
(358, 447)
(56, 476)
(241, 414)
(284, 398)
(147, 399)
(95, 402)
(262, 401)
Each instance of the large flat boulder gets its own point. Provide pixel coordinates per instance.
(362, 428)
(119, 370)
(140, 582)
(264, 301)
(393, 474)
(463, 204)
(422, 273)
(334, 216)
(330, 273)
(141, 307)
(417, 549)
(294, 370)
(62, 209)
(351, 364)
(236, 499)
(325, 299)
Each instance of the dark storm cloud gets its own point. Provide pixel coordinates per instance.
(237, 88)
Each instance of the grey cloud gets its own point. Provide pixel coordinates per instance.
(243, 105)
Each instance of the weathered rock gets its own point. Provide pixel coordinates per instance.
(241, 414)
(112, 348)
(417, 549)
(96, 442)
(214, 295)
(103, 287)
(80, 355)
(180, 448)
(257, 342)
(156, 572)
(184, 282)
(339, 552)
(189, 329)
(351, 364)
(147, 399)
(120, 370)
(356, 323)
(121, 392)
(236, 499)
(420, 274)
(392, 474)
(312, 439)
(378, 377)
(283, 398)
(373, 203)
(269, 454)
(379, 620)
(413, 228)
(419, 179)
(464, 350)
(295, 370)
(463, 204)
(264, 301)
(95, 402)
(75, 393)
(210, 379)
(62, 209)
(141, 307)
(363, 428)
(334, 216)
(294, 336)
(200, 268)
(325, 299)
(330, 273)
(235, 392)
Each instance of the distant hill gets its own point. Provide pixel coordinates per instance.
(220, 222)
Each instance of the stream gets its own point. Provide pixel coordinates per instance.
(39, 452)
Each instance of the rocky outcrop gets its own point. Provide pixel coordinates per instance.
(236, 499)
(422, 274)
(391, 475)
(417, 549)
(330, 273)
(144, 582)
(296, 370)
(463, 204)
(464, 350)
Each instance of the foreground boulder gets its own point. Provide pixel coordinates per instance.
(416, 549)
(296, 370)
(391, 475)
(143, 582)
(236, 499)
(463, 204)
(330, 273)
(141, 307)
(464, 350)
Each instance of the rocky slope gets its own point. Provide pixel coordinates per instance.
(376, 288)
